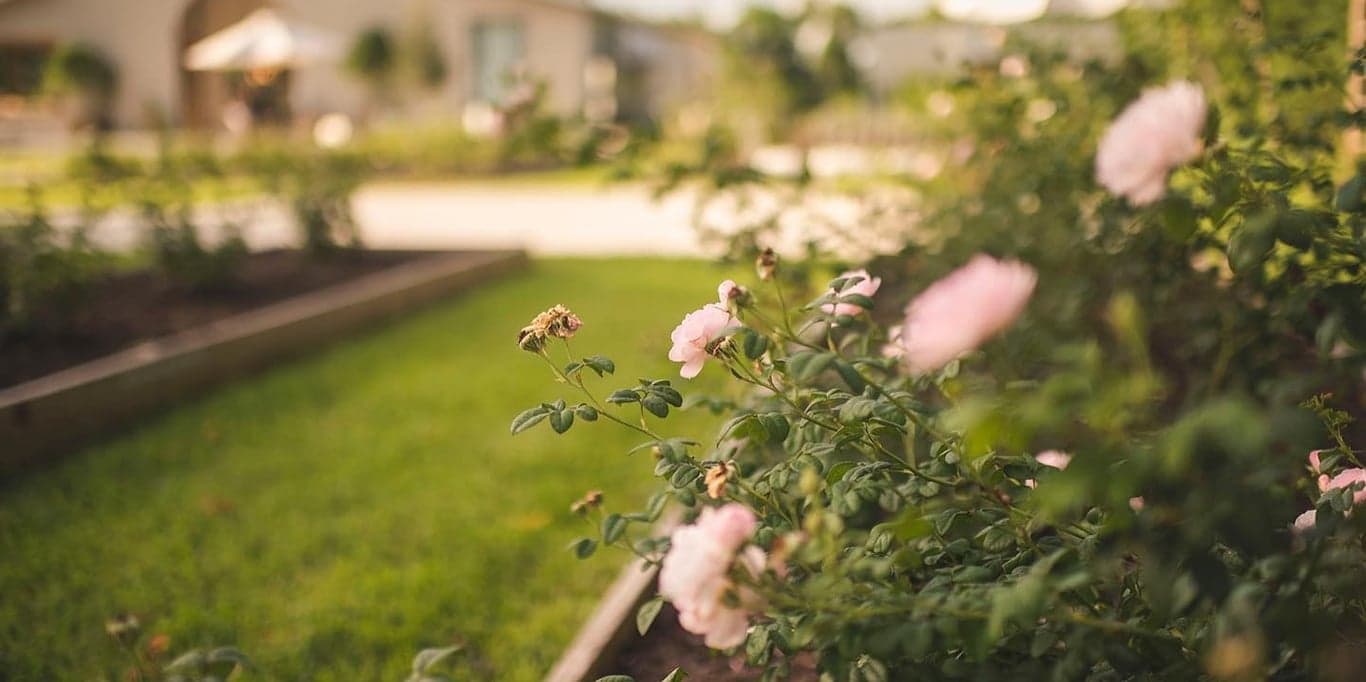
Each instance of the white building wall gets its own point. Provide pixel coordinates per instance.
(142, 37)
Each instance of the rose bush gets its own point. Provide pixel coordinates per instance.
(1079, 451)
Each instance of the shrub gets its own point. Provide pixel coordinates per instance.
(1110, 436)
(81, 72)
(41, 269)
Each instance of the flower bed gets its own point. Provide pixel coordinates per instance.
(306, 308)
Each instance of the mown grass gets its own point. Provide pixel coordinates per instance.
(336, 515)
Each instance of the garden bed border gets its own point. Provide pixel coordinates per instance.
(46, 417)
(613, 621)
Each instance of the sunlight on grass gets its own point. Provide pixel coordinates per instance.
(336, 515)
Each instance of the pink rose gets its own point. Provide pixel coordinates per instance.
(866, 286)
(695, 574)
(1347, 478)
(964, 309)
(1306, 521)
(1050, 458)
(1053, 458)
(692, 336)
(1136, 503)
(1154, 134)
(727, 291)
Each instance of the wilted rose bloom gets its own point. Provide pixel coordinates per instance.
(964, 309)
(867, 286)
(558, 321)
(692, 336)
(718, 475)
(695, 574)
(1154, 134)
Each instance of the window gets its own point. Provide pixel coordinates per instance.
(499, 48)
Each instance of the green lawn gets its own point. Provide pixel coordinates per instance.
(336, 515)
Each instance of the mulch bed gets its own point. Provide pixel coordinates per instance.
(128, 308)
(667, 646)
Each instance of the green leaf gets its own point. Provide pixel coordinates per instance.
(776, 426)
(229, 654)
(646, 614)
(193, 659)
(655, 405)
(1296, 228)
(838, 471)
(757, 647)
(623, 395)
(669, 394)
(587, 413)
(425, 659)
(1349, 195)
(850, 375)
(601, 364)
(656, 505)
(584, 547)
(561, 420)
(1249, 246)
(808, 364)
(675, 675)
(529, 418)
(859, 300)
(754, 344)
(617, 678)
(613, 527)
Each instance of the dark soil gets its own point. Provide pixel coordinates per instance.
(128, 308)
(667, 646)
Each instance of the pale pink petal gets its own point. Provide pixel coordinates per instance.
(1053, 458)
(1306, 521)
(964, 309)
(1155, 133)
(1350, 477)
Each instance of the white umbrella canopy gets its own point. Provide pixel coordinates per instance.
(1002, 12)
(263, 40)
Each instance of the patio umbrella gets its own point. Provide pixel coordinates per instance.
(263, 40)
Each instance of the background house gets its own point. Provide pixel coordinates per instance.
(569, 46)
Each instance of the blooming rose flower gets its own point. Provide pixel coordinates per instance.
(692, 336)
(1053, 458)
(1306, 521)
(867, 286)
(1156, 133)
(964, 309)
(1344, 479)
(1136, 503)
(695, 574)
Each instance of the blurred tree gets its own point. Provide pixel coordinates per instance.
(424, 60)
(86, 79)
(374, 60)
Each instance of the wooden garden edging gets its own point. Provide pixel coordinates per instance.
(613, 621)
(51, 415)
